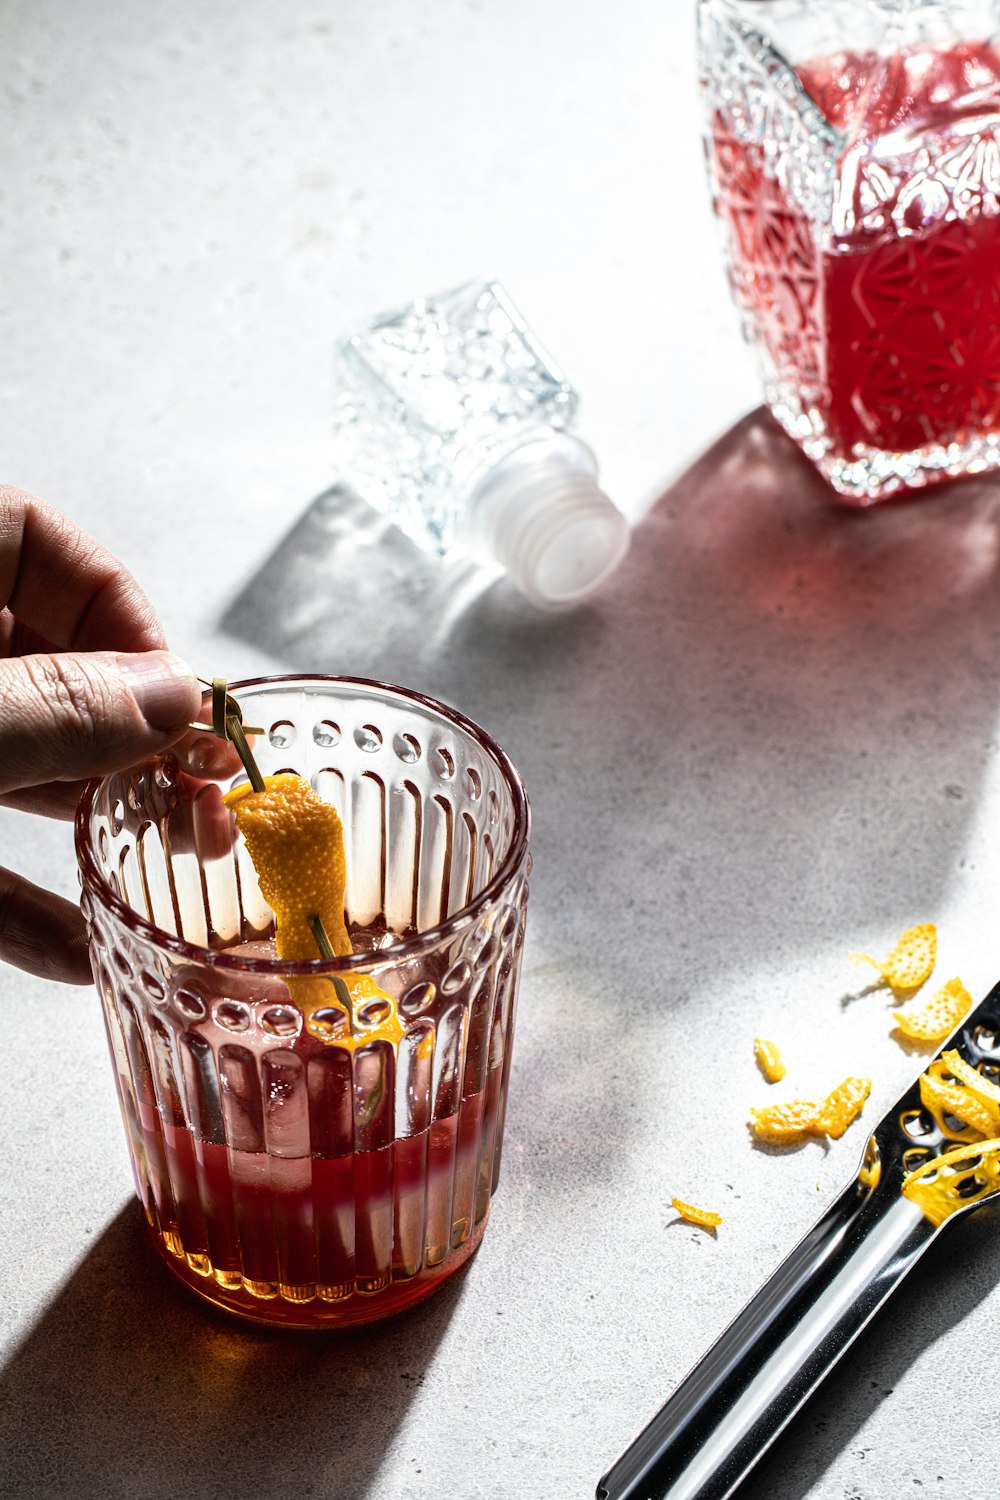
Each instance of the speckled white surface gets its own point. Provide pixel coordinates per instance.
(772, 741)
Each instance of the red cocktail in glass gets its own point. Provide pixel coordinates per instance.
(290, 1172)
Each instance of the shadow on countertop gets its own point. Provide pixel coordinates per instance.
(142, 1392)
(765, 735)
(809, 689)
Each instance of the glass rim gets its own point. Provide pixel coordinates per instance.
(94, 880)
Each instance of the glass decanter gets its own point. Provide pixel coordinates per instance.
(854, 157)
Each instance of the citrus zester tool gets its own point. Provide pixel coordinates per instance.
(735, 1402)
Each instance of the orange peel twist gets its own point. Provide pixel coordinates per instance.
(296, 843)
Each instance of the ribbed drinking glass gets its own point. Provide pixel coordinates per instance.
(289, 1173)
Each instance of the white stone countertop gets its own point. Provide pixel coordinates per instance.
(770, 741)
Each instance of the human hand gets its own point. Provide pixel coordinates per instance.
(86, 687)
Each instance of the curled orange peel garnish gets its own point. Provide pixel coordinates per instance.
(296, 843)
(959, 1117)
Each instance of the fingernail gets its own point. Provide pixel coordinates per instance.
(164, 687)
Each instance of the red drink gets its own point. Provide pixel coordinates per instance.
(875, 303)
(290, 1197)
(305, 1200)
(363, 1235)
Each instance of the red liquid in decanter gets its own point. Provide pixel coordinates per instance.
(886, 324)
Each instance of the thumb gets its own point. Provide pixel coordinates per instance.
(75, 714)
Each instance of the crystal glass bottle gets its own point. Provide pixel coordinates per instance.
(854, 155)
(452, 419)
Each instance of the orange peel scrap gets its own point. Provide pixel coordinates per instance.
(938, 1016)
(949, 1103)
(842, 1106)
(982, 1089)
(951, 1089)
(910, 962)
(703, 1217)
(780, 1124)
(769, 1060)
(961, 1176)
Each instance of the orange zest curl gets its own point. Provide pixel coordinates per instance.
(937, 1017)
(842, 1107)
(964, 1104)
(963, 1175)
(704, 1218)
(768, 1060)
(781, 1124)
(910, 962)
